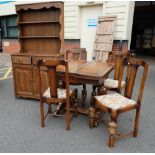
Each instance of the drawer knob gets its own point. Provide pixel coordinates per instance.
(19, 60)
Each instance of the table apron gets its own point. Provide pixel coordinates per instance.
(83, 80)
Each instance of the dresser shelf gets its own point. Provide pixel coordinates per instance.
(38, 22)
(39, 37)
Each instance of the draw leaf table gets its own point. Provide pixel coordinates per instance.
(85, 72)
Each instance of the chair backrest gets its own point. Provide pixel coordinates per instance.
(117, 58)
(132, 68)
(77, 54)
(52, 74)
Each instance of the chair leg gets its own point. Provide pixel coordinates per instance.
(76, 104)
(68, 122)
(112, 129)
(94, 93)
(42, 114)
(91, 117)
(50, 108)
(112, 132)
(136, 122)
(68, 116)
(84, 95)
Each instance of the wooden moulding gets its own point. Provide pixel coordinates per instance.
(37, 6)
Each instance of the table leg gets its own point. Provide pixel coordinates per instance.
(94, 93)
(102, 90)
(84, 95)
(63, 85)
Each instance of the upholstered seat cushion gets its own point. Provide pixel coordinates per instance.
(115, 101)
(61, 93)
(110, 83)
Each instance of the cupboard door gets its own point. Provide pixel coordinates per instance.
(44, 79)
(23, 80)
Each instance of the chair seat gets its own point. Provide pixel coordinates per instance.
(115, 101)
(111, 83)
(61, 93)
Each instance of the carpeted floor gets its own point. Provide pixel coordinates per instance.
(20, 125)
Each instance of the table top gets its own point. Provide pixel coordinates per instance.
(89, 70)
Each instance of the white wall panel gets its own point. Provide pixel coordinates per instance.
(123, 10)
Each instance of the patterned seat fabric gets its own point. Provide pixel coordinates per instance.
(115, 101)
(61, 93)
(110, 83)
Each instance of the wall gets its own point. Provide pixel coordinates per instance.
(10, 46)
(9, 7)
(71, 20)
(124, 11)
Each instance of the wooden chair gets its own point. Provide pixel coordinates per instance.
(117, 103)
(76, 54)
(116, 84)
(79, 54)
(55, 95)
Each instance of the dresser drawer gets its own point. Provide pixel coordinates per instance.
(35, 59)
(21, 59)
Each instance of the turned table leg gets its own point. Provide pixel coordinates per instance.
(94, 93)
(84, 95)
(76, 104)
(101, 90)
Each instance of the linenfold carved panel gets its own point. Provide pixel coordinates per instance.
(104, 37)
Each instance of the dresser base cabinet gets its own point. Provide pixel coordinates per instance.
(25, 75)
